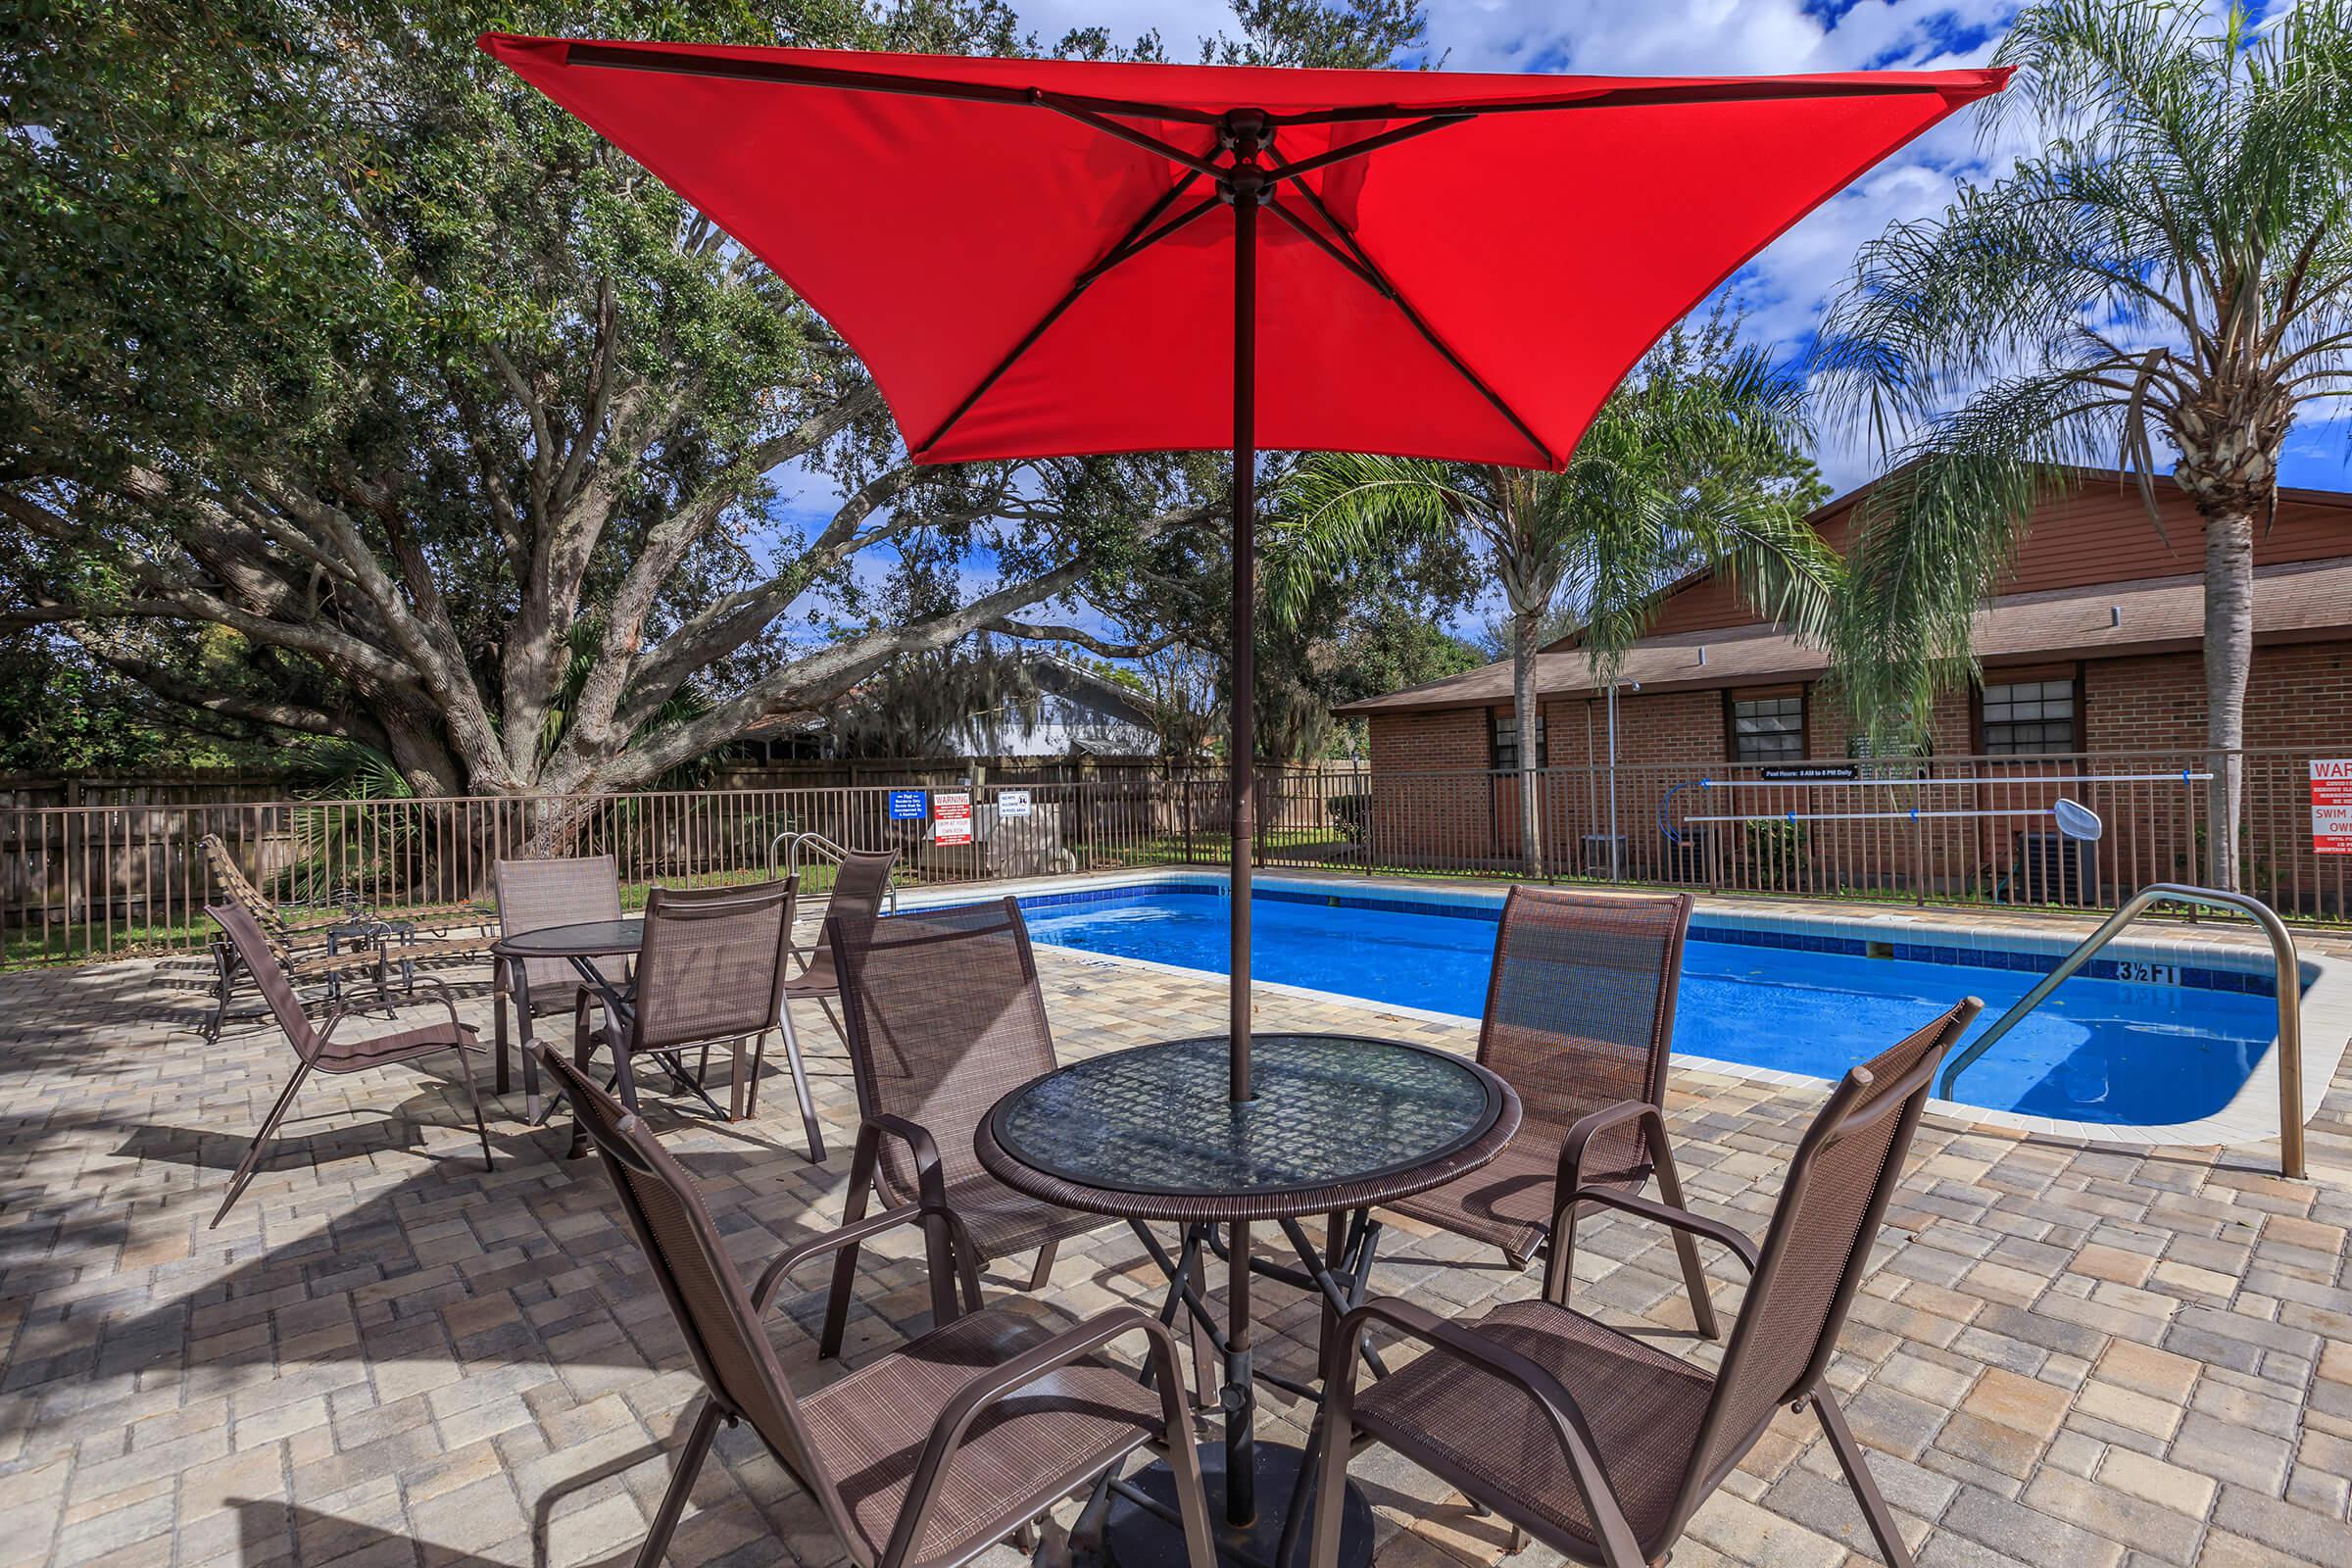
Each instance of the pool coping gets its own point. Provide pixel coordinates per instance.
(2250, 1117)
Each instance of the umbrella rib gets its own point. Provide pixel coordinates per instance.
(1140, 236)
(1624, 98)
(740, 68)
(1308, 231)
(1373, 144)
(1075, 109)
(1370, 273)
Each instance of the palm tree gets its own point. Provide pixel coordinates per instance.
(2174, 263)
(1670, 476)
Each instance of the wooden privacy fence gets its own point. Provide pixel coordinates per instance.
(110, 880)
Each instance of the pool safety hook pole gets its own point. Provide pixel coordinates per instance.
(2074, 821)
(1673, 834)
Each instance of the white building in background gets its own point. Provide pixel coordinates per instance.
(1076, 712)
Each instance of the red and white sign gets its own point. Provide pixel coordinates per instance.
(2332, 806)
(951, 818)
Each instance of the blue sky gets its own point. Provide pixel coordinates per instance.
(1782, 290)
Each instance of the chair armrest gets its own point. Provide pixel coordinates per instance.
(1682, 1219)
(1040, 1361)
(1591, 1125)
(771, 1279)
(385, 997)
(1569, 1427)
(932, 1188)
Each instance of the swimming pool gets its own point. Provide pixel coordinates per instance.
(1805, 1000)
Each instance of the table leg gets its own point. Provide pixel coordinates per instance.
(1141, 1529)
(1241, 1392)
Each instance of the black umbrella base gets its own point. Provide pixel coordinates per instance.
(1146, 1534)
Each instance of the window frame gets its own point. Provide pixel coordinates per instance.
(2068, 676)
(1496, 719)
(1732, 696)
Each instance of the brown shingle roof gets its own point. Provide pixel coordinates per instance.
(2154, 616)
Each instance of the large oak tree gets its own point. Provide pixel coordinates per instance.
(335, 354)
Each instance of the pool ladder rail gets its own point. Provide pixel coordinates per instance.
(2288, 974)
(824, 848)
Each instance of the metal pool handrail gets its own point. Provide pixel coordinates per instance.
(2290, 988)
(825, 849)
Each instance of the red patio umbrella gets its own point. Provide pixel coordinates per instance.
(1040, 258)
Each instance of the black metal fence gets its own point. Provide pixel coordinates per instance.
(96, 881)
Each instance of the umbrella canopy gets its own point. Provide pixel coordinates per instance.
(1040, 258)
(1458, 267)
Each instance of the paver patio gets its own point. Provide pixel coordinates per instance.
(2065, 1355)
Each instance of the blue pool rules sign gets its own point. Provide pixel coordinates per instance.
(906, 806)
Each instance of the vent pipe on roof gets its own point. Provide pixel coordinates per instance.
(1702, 655)
(2115, 614)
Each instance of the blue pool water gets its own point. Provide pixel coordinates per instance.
(2099, 1050)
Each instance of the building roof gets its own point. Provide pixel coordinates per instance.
(2155, 614)
(2080, 483)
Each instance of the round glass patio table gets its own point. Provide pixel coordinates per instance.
(1340, 1123)
(583, 941)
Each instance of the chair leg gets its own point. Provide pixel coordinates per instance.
(967, 1268)
(1043, 1271)
(226, 957)
(696, 1448)
(502, 1080)
(800, 1086)
(750, 1089)
(1686, 1246)
(845, 1261)
(1331, 1483)
(261, 1142)
(473, 1093)
(1857, 1476)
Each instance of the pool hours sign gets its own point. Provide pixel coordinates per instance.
(2332, 806)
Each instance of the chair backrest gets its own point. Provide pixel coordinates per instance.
(232, 881)
(1580, 1003)
(533, 895)
(858, 889)
(689, 1259)
(260, 957)
(713, 966)
(943, 1015)
(1840, 1181)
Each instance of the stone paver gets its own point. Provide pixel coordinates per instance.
(2065, 1353)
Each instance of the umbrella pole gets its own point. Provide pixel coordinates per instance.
(1245, 616)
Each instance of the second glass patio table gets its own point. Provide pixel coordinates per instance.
(1339, 1124)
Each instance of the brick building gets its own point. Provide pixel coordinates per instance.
(2091, 646)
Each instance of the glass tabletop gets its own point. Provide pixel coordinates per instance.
(585, 939)
(1330, 1110)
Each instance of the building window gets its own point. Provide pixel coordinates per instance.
(1768, 729)
(1506, 744)
(2029, 717)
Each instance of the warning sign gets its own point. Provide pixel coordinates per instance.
(2332, 806)
(951, 817)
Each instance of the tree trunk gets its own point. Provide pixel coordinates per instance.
(2229, 659)
(1527, 631)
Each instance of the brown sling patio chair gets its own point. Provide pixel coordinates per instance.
(944, 1016)
(301, 936)
(859, 885)
(533, 895)
(1601, 1445)
(1578, 1021)
(937, 1451)
(318, 1049)
(710, 968)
